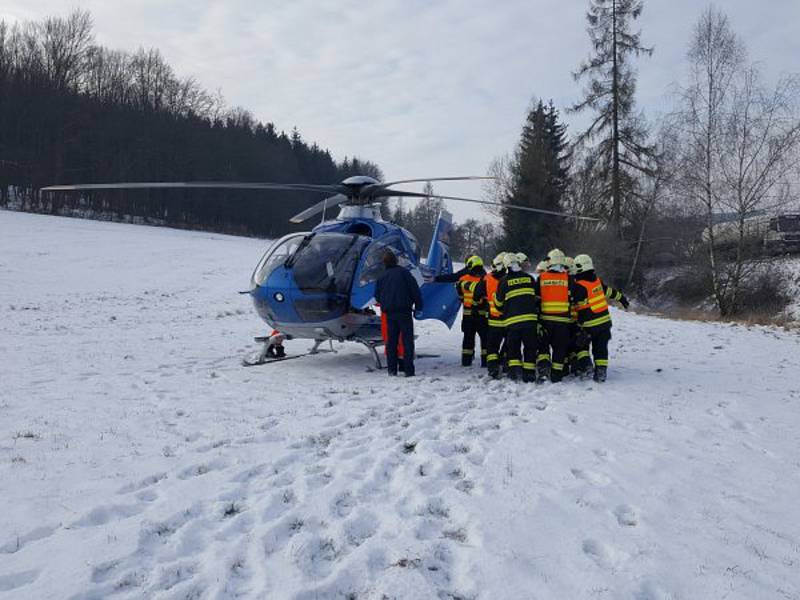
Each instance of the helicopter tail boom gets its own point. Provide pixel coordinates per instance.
(440, 300)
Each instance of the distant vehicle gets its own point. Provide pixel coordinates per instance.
(783, 234)
(776, 234)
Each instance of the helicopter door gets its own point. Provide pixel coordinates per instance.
(322, 271)
(371, 268)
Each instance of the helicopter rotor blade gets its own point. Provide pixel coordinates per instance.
(464, 178)
(318, 208)
(375, 189)
(487, 203)
(233, 185)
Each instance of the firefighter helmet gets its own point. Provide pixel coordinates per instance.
(583, 263)
(499, 263)
(474, 261)
(556, 257)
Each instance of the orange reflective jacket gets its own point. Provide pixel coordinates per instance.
(554, 290)
(492, 283)
(466, 290)
(594, 310)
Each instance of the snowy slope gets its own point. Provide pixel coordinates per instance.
(138, 459)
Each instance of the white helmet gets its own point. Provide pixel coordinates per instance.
(569, 262)
(511, 261)
(499, 262)
(556, 257)
(542, 267)
(522, 258)
(583, 263)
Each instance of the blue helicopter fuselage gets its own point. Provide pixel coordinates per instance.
(321, 284)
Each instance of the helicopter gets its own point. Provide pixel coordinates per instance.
(320, 285)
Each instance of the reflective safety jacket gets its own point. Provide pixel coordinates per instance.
(591, 299)
(485, 293)
(516, 300)
(553, 288)
(465, 287)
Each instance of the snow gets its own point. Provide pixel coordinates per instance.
(138, 459)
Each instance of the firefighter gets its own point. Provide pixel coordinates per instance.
(591, 297)
(484, 295)
(578, 341)
(473, 318)
(553, 288)
(516, 300)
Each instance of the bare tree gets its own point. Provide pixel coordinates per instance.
(760, 139)
(716, 55)
(65, 45)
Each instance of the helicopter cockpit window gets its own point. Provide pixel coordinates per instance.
(327, 262)
(373, 262)
(276, 256)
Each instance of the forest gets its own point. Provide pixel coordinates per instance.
(75, 112)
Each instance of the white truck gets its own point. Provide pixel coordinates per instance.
(783, 234)
(778, 234)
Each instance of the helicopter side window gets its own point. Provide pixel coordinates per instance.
(373, 262)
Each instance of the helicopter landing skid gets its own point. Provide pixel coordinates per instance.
(318, 343)
(372, 346)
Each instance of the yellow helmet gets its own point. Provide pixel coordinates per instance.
(583, 263)
(556, 257)
(474, 261)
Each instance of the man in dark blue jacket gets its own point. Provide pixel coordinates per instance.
(398, 294)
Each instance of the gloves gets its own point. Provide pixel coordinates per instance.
(624, 302)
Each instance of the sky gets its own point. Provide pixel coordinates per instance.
(422, 88)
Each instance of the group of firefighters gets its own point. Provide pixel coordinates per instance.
(536, 327)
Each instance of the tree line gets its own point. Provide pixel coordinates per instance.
(728, 149)
(72, 111)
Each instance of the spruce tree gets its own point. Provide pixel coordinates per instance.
(619, 133)
(539, 177)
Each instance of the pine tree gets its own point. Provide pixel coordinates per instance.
(539, 177)
(610, 91)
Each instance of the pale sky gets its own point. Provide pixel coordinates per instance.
(422, 88)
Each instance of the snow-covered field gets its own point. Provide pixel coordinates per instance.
(138, 459)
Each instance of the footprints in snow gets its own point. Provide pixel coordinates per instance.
(318, 506)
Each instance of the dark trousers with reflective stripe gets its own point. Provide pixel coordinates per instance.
(472, 325)
(600, 336)
(494, 338)
(557, 337)
(521, 343)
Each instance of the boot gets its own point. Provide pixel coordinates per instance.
(542, 372)
(529, 376)
(466, 360)
(600, 374)
(515, 373)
